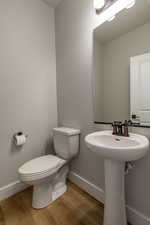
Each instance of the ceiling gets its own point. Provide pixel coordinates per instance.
(53, 3)
(125, 21)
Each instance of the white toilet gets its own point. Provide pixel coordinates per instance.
(48, 173)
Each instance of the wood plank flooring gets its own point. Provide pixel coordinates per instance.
(75, 207)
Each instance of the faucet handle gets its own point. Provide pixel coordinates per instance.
(126, 129)
(114, 125)
(117, 123)
(117, 128)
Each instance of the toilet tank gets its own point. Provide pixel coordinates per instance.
(66, 142)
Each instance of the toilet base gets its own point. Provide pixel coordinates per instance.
(43, 195)
(59, 192)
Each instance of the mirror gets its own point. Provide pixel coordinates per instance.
(121, 67)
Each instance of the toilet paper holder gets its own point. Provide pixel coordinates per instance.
(17, 138)
(20, 134)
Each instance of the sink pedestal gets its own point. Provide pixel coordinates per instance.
(116, 150)
(115, 210)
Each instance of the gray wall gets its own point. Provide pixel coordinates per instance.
(27, 82)
(74, 76)
(74, 80)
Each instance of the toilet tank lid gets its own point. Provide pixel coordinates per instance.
(66, 131)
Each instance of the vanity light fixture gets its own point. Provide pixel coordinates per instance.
(109, 11)
(101, 5)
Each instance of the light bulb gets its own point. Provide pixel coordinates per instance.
(98, 4)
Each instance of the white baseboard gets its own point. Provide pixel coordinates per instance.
(137, 218)
(87, 186)
(11, 189)
(134, 217)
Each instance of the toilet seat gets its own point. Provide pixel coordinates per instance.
(40, 167)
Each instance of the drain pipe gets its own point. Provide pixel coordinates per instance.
(129, 166)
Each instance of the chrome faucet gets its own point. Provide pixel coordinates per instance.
(120, 129)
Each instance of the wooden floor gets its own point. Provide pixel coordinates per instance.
(75, 207)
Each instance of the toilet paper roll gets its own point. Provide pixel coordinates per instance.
(20, 139)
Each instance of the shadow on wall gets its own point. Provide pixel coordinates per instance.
(49, 147)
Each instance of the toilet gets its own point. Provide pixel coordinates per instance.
(48, 173)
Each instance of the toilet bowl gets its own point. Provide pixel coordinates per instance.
(48, 173)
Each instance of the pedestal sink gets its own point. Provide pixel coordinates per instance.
(116, 150)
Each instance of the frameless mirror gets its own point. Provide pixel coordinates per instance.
(121, 67)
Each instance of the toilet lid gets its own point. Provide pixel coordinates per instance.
(41, 165)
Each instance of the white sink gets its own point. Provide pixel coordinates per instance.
(116, 150)
(118, 147)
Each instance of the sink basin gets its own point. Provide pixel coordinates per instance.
(116, 150)
(118, 147)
